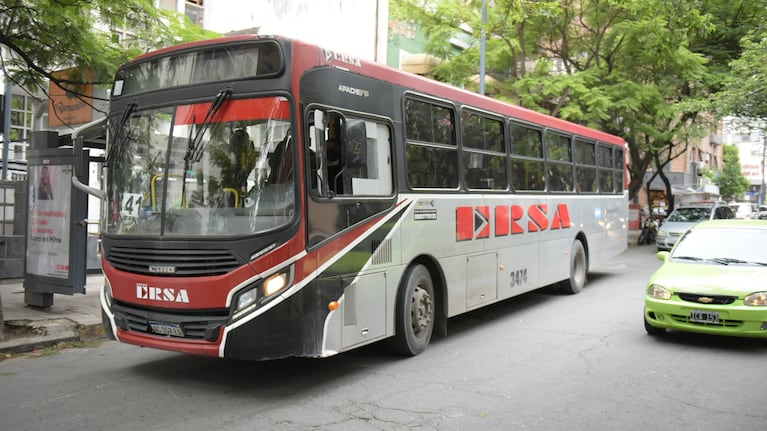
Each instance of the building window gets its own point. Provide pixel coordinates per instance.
(195, 11)
(168, 4)
(7, 202)
(22, 116)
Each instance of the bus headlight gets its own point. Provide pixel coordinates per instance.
(261, 292)
(274, 284)
(246, 299)
(106, 288)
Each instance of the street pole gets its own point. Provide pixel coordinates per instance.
(482, 50)
(764, 155)
(7, 125)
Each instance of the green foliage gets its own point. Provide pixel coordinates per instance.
(645, 70)
(745, 89)
(44, 36)
(732, 183)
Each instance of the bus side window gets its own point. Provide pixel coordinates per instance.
(370, 160)
(349, 157)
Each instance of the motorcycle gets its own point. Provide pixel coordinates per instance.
(649, 229)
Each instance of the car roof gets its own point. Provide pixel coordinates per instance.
(702, 205)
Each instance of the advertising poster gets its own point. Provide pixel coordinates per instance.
(48, 236)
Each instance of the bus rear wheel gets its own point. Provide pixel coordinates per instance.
(578, 269)
(414, 320)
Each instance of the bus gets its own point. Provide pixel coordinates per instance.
(266, 198)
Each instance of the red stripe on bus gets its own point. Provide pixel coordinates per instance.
(236, 110)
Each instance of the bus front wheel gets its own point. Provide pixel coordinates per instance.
(414, 319)
(578, 269)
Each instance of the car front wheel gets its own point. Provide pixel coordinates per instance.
(652, 330)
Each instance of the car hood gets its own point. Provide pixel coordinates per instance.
(713, 279)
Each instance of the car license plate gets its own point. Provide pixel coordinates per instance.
(162, 328)
(700, 316)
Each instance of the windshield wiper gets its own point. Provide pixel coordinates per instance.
(129, 110)
(729, 260)
(195, 147)
(695, 258)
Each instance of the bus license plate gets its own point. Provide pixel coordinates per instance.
(162, 328)
(699, 316)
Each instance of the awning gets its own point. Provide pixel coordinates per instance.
(420, 64)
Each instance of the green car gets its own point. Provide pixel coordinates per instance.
(714, 281)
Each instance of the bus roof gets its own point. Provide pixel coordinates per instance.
(409, 80)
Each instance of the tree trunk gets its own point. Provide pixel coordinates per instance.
(669, 192)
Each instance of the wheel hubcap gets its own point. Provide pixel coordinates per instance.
(421, 310)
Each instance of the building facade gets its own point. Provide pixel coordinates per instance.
(750, 136)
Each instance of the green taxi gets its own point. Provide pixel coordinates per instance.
(714, 281)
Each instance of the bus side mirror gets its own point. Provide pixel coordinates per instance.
(355, 149)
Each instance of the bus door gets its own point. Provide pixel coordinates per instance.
(350, 171)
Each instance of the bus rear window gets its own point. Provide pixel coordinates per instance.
(220, 63)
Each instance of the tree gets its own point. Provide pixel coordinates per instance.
(745, 90)
(638, 69)
(732, 183)
(45, 36)
(42, 37)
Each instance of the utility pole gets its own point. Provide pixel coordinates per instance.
(482, 50)
(7, 125)
(764, 155)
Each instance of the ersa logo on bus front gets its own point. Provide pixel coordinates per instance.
(476, 222)
(161, 294)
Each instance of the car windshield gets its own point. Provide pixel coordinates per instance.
(690, 214)
(201, 169)
(724, 246)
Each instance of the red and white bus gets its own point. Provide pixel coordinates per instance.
(268, 198)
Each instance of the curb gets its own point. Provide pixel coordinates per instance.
(27, 336)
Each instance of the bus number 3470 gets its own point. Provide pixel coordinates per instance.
(518, 277)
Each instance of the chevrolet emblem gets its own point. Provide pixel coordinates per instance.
(705, 300)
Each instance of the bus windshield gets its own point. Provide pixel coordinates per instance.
(202, 169)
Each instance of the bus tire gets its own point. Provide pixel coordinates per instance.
(578, 269)
(415, 313)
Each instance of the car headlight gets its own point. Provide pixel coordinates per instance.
(658, 292)
(758, 298)
(660, 232)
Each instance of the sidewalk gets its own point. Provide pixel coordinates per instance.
(70, 318)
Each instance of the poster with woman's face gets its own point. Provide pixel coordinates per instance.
(49, 220)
